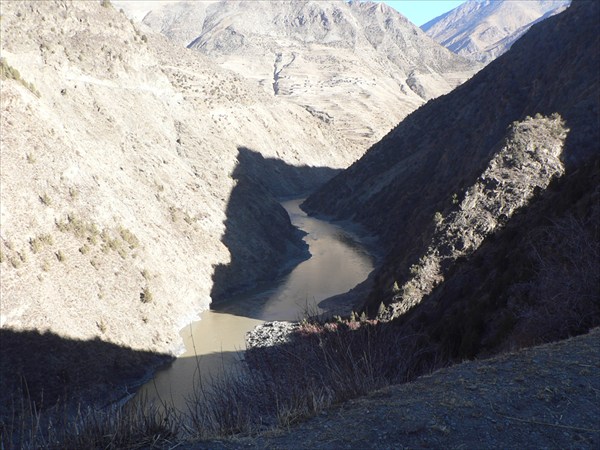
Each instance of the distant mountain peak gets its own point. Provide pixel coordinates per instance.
(482, 30)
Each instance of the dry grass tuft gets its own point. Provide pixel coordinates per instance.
(323, 364)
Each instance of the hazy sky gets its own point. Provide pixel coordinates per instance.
(422, 11)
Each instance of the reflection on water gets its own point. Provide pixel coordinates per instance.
(338, 262)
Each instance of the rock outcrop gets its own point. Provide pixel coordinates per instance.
(528, 161)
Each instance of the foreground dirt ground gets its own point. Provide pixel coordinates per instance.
(542, 397)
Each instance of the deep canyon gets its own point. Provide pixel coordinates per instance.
(144, 165)
(337, 262)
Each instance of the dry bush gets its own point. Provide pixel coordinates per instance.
(323, 364)
(563, 298)
(31, 425)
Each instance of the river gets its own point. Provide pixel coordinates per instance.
(338, 262)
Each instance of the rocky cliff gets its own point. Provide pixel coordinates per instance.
(360, 66)
(458, 173)
(482, 30)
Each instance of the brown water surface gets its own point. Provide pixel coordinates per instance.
(338, 262)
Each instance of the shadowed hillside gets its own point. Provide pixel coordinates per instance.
(50, 368)
(411, 187)
(258, 231)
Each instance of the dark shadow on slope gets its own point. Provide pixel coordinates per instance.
(259, 235)
(396, 188)
(536, 280)
(50, 368)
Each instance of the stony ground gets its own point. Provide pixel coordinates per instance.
(543, 397)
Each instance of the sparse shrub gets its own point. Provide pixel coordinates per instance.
(9, 72)
(45, 266)
(320, 365)
(84, 249)
(101, 326)
(173, 214)
(15, 262)
(146, 295)
(381, 310)
(45, 199)
(414, 269)
(80, 228)
(77, 226)
(129, 237)
(105, 3)
(31, 158)
(122, 252)
(61, 256)
(36, 245)
(438, 218)
(70, 425)
(2, 257)
(93, 239)
(39, 242)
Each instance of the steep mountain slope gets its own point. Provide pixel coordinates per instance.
(360, 66)
(482, 30)
(120, 152)
(485, 164)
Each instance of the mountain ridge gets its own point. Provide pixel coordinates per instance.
(418, 175)
(482, 30)
(369, 58)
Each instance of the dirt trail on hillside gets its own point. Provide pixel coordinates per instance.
(542, 397)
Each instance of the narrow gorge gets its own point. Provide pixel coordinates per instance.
(319, 180)
(337, 262)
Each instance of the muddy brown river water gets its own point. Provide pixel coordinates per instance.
(338, 262)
